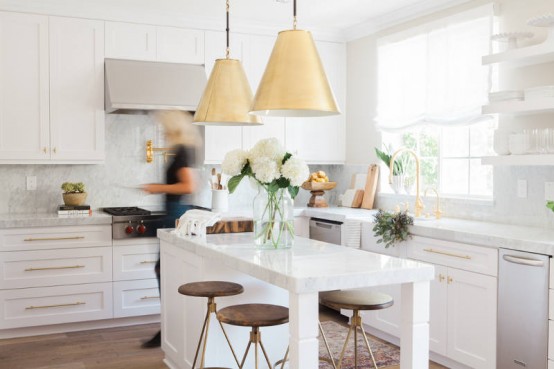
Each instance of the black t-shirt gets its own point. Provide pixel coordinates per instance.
(183, 158)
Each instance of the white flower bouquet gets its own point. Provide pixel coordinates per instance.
(279, 175)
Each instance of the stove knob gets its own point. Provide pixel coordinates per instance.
(141, 229)
(129, 229)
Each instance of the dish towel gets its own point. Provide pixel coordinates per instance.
(352, 231)
(194, 222)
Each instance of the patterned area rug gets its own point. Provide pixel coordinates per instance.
(385, 354)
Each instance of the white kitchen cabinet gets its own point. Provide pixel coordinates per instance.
(135, 298)
(76, 89)
(130, 41)
(135, 261)
(438, 314)
(24, 105)
(52, 78)
(154, 43)
(321, 140)
(178, 45)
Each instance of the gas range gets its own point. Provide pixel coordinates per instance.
(132, 222)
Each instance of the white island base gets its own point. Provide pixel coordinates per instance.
(292, 278)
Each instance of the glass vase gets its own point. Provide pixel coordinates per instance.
(273, 219)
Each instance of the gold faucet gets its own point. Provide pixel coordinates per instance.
(418, 208)
(438, 212)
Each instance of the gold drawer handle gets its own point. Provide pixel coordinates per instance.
(450, 280)
(149, 297)
(54, 306)
(52, 268)
(441, 278)
(448, 254)
(149, 262)
(54, 239)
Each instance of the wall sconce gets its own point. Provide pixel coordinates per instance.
(150, 149)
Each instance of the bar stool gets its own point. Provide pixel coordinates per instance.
(356, 301)
(211, 290)
(255, 316)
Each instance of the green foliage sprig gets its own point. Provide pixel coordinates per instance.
(399, 164)
(69, 187)
(392, 228)
(550, 205)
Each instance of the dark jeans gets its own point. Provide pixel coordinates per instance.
(174, 210)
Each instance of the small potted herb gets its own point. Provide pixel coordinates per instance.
(550, 205)
(398, 170)
(74, 193)
(392, 228)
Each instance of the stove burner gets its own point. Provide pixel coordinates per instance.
(126, 211)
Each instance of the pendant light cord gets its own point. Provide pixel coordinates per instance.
(228, 49)
(294, 15)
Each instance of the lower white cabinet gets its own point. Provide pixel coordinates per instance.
(135, 298)
(135, 262)
(28, 307)
(462, 323)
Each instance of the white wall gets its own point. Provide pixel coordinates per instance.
(362, 136)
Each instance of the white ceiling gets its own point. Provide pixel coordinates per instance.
(347, 18)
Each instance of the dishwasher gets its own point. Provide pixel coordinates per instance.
(325, 230)
(522, 340)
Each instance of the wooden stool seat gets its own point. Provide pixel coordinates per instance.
(254, 315)
(211, 289)
(356, 300)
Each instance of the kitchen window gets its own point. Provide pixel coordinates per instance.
(431, 86)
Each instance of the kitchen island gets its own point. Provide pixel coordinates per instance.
(292, 278)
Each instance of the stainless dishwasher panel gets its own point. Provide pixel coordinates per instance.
(325, 230)
(522, 340)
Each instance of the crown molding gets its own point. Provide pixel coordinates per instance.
(408, 13)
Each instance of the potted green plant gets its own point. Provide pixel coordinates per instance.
(74, 193)
(392, 228)
(398, 170)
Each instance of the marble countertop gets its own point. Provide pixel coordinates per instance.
(51, 220)
(309, 266)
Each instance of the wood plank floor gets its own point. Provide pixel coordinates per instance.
(114, 348)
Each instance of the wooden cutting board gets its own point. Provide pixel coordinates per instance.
(370, 186)
(232, 225)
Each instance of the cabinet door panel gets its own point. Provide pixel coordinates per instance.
(24, 110)
(130, 41)
(77, 89)
(472, 319)
(177, 45)
(437, 311)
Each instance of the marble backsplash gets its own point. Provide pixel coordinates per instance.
(114, 183)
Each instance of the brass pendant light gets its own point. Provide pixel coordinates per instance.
(227, 97)
(294, 83)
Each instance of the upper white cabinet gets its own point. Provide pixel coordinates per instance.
(76, 89)
(321, 140)
(130, 41)
(154, 43)
(52, 88)
(24, 109)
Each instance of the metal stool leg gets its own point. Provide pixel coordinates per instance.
(367, 345)
(332, 359)
(357, 322)
(212, 308)
(344, 346)
(256, 339)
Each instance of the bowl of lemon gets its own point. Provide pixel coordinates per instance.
(317, 184)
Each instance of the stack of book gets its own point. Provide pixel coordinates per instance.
(74, 210)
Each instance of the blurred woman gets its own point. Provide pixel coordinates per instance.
(183, 138)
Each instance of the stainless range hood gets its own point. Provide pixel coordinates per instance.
(134, 87)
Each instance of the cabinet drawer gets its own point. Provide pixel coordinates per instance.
(54, 305)
(19, 239)
(22, 269)
(452, 254)
(134, 298)
(135, 262)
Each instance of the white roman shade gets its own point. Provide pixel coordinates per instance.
(433, 74)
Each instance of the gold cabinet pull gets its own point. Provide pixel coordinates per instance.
(53, 268)
(55, 151)
(441, 278)
(450, 280)
(148, 262)
(54, 306)
(448, 254)
(149, 297)
(54, 238)
(44, 150)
